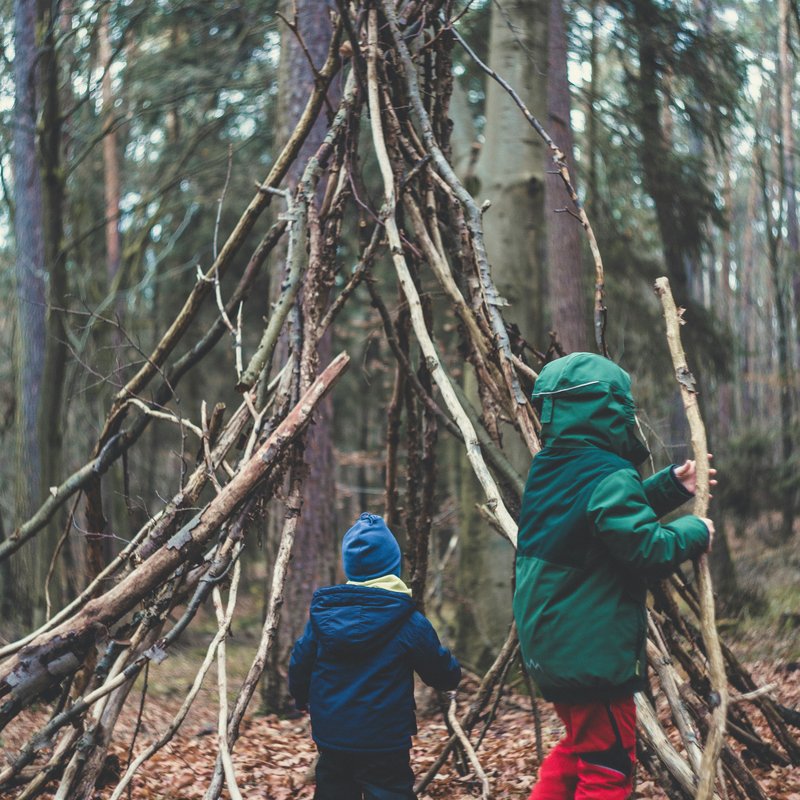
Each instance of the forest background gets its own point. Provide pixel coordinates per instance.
(135, 135)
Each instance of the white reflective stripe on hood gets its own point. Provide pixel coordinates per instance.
(568, 388)
(389, 582)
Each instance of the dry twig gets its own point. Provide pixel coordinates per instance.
(468, 748)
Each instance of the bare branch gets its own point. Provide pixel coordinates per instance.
(468, 748)
(719, 680)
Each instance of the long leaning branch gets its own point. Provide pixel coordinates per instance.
(495, 500)
(60, 652)
(169, 732)
(474, 225)
(719, 679)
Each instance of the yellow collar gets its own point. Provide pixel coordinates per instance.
(390, 582)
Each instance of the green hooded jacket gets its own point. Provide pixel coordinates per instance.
(589, 536)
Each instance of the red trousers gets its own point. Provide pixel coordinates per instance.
(595, 759)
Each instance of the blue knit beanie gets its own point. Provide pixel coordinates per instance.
(369, 550)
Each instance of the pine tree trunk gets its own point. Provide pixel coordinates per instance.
(110, 159)
(592, 145)
(52, 413)
(30, 272)
(656, 162)
(53, 199)
(791, 267)
(569, 302)
(315, 554)
(510, 173)
(782, 314)
(511, 165)
(100, 548)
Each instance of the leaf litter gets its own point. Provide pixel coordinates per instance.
(274, 757)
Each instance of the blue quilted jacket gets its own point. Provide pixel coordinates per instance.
(354, 666)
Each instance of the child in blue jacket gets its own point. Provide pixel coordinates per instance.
(353, 668)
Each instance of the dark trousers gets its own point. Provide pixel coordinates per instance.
(364, 776)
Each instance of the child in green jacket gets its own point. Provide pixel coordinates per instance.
(589, 538)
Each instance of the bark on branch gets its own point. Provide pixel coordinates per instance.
(474, 223)
(58, 653)
(719, 679)
(497, 506)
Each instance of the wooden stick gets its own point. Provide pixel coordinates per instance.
(223, 623)
(495, 501)
(468, 748)
(748, 697)
(169, 732)
(481, 698)
(719, 680)
(658, 656)
(654, 735)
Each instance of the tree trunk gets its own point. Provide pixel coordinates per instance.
(111, 174)
(463, 144)
(510, 174)
(569, 303)
(724, 300)
(746, 309)
(783, 324)
(100, 546)
(315, 556)
(791, 267)
(53, 199)
(52, 412)
(592, 144)
(510, 170)
(485, 569)
(656, 151)
(31, 301)
(787, 134)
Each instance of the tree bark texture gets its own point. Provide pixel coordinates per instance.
(511, 174)
(511, 166)
(111, 172)
(53, 202)
(791, 265)
(31, 292)
(314, 556)
(783, 323)
(568, 300)
(656, 162)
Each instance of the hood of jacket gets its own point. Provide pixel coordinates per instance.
(354, 620)
(585, 400)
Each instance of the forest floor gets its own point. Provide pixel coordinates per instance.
(274, 757)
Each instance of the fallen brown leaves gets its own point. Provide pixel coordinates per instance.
(274, 757)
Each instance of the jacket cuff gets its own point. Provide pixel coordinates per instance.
(697, 531)
(665, 492)
(683, 491)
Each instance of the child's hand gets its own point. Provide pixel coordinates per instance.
(710, 525)
(686, 474)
